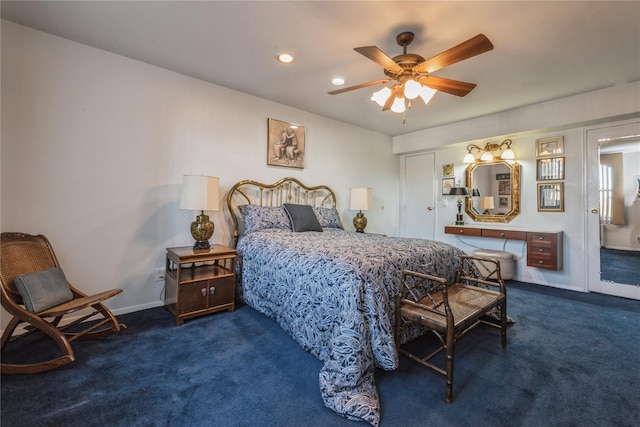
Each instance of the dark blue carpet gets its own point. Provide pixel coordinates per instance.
(572, 360)
(620, 266)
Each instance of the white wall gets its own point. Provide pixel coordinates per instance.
(94, 146)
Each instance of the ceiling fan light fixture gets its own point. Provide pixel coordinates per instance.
(426, 93)
(381, 96)
(337, 81)
(398, 105)
(412, 89)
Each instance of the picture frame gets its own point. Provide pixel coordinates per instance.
(448, 169)
(447, 185)
(549, 147)
(551, 197)
(550, 168)
(503, 202)
(637, 181)
(504, 188)
(285, 144)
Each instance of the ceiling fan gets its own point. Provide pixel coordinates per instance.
(413, 73)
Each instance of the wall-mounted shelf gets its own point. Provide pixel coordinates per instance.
(544, 248)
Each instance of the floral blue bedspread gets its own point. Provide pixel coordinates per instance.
(333, 292)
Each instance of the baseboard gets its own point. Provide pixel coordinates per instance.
(117, 312)
(616, 248)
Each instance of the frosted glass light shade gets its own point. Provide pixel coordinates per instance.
(398, 105)
(381, 96)
(426, 93)
(200, 193)
(508, 154)
(360, 199)
(469, 158)
(412, 89)
(486, 157)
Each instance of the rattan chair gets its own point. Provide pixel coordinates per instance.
(450, 311)
(21, 254)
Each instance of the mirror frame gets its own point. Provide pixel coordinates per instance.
(514, 168)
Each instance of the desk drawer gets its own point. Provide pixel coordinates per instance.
(463, 231)
(504, 234)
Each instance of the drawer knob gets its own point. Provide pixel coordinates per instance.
(540, 238)
(541, 262)
(212, 290)
(540, 250)
(204, 292)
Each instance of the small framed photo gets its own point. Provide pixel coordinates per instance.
(503, 202)
(447, 185)
(551, 168)
(551, 197)
(285, 144)
(447, 170)
(547, 147)
(504, 188)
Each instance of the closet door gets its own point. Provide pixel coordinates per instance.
(419, 196)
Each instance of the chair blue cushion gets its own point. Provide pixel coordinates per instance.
(302, 217)
(43, 289)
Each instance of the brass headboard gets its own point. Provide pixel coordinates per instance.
(286, 190)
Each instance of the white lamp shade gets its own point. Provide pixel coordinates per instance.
(426, 93)
(508, 154)
(200, 193)
(381, 96)
(360, 199)
(486, 157)
(486, 202)
(469, 158)
(412, 89)
(398, 105)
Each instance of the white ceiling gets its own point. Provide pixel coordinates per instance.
(543, 50)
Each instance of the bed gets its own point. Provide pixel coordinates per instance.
(331, 290)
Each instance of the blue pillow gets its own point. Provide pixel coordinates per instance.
(302, 217)
(43, 289)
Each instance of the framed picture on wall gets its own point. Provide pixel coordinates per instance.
(546, 147)
(285, 144)
(447, 185)
(551, 168)
(551, 197)
(504, 188)
(447, 170)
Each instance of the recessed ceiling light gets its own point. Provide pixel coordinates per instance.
(337, 81)
(285, 58)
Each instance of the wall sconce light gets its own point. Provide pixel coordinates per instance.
(360, 201)
(488, 152)
(200, 193)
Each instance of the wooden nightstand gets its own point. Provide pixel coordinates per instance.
(199, 282)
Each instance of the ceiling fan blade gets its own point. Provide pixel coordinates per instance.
(395, 91)
(454, 87)
(380, 58)
(472, 47)
(361, 85)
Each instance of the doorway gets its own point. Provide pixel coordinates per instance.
(623, 138)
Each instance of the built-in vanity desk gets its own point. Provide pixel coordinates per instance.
(544, 247)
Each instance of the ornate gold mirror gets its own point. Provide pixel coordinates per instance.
(495, 188)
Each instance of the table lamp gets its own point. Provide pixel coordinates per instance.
(460, 192)
(486, 203)
(200, 193)
(360, 201)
